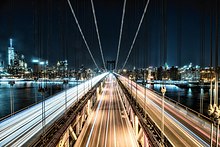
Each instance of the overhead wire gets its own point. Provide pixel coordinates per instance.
(136, 34)
(77, 22)
(119, 42)
(97, 31)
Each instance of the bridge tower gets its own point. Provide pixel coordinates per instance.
(111, 65)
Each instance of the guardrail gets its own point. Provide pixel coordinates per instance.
(179, 104)
(149, 127)
(27, 107)
(54, 132)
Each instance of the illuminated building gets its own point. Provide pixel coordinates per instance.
(159, 73)
(40, 68)
(1, 66)
(110, 65)
(174, 75)
(206, 74)
(16, 63)
(11, 54)
(62, 68)
(190, 73)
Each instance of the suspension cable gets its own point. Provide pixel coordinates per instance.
(135, 37)
(119, 42)
(97, 31)
(87, 46)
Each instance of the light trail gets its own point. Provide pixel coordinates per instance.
(128, 124)
(77, 22)
(107, 117)
(136, 34)
(109, 108)
(119, 41)
(19, 128)
(97, 31)
(96, 115)
(184, 125)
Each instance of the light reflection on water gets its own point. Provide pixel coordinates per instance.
(189, 97)
(25, 94)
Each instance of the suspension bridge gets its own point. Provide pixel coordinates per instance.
(113, 110)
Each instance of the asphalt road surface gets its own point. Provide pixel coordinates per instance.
(108, 125)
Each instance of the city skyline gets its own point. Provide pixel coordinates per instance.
(49, 31)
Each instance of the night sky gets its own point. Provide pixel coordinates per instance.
(47, 29)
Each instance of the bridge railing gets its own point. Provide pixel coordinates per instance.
(178, 103)
(19, 128)
(29, 106)
(150, 128)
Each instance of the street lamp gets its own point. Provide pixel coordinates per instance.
(163, 90)
(11, 83)
(42, 89)
(84, 81)
(35, 89)
(77, 94)
(136, 90)
(91, 80)
(145, 99)
(130, 84)
(65, 82)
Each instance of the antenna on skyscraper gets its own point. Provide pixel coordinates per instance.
(11, 41)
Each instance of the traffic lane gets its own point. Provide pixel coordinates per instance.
(178, 141)
(176, 133)
(95, 116)
(111, 131)
(27, 120)
(90, 135)
(200, 131)
(127, 128)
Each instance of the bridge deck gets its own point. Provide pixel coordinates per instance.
(20, 128)
(108, 124)
(180, 127)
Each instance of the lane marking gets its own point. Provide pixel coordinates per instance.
(106, 133)
(100, 127)
(87, 144)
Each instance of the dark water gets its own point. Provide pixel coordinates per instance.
(25, 94)
(196, 98)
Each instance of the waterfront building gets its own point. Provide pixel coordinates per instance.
(11, 53)
(62, 68)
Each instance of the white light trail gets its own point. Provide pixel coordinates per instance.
(19, 128)
(135, 37)
(96, 115)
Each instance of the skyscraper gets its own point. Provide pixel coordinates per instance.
(11, 53)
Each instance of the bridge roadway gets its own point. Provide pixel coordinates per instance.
(108, 125)
(19, 128)
(182, 128)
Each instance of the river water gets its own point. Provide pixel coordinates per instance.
(196, 98)
(25, 94)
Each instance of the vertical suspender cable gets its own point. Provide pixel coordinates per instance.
(119, 42)
(216, 56)
(179, 33)
(87, 46)
(135, 37)
(97, 31)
